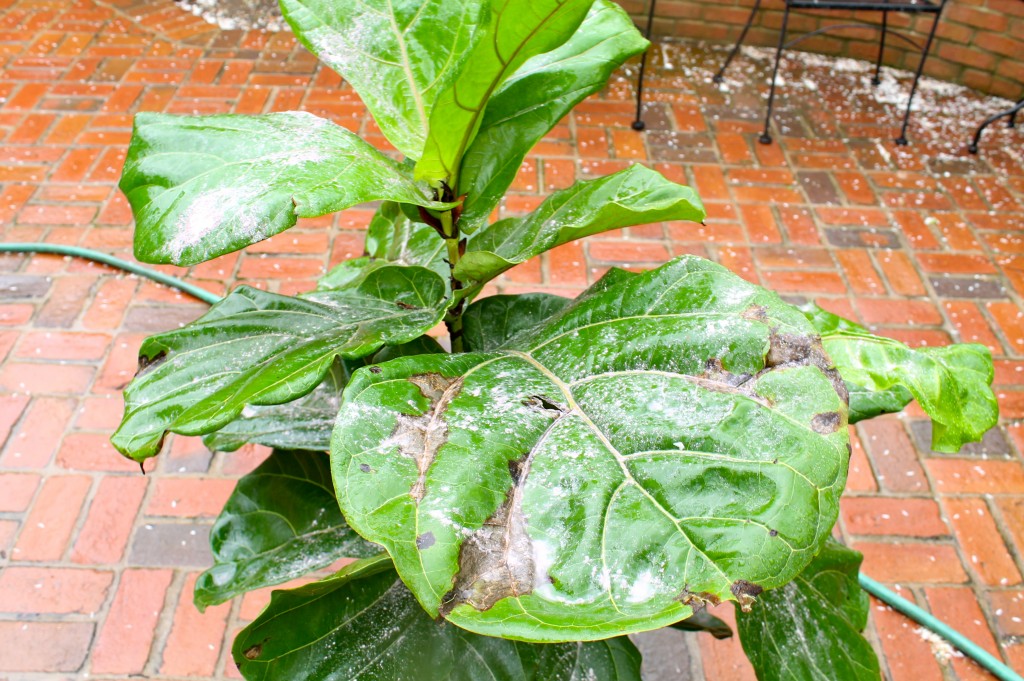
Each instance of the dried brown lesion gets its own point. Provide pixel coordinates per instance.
(420, 437)
(496, 561)
(746, 593)
(698, 600)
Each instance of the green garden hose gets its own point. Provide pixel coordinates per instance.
(898, 603)
(107, 259)
(929, 621)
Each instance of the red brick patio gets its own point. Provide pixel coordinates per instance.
(922, 243)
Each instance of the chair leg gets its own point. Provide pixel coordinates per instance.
(638, 123)
(739, 41)
(766, 138)
(881, 49)
(1011, 113)
(902, 139)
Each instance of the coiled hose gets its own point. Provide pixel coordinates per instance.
(898, 603)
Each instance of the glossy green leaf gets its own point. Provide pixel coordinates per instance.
(490, 323)
(951, 383)
(256, 348)
(514, 31)
(634, 196)
(704, 621)
(303, 424)
(203, 186)
(280, 523)
(364, 625)
(397, 54)
(306, 423)
(537, 96)
(392, 239)
(670, 439)
(810, 628)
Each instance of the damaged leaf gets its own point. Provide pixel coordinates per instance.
(280, 523)
(655, 446)
(256, 348)
(203, 186)
(810, 628)
(951, 383)
(397, 641)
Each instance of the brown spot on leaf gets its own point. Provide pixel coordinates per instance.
(405, 306)
(827, 422)
(375, 370)
(425, 541)
(757, 313)
(496, 562)
(150, 362)
(252, 652)
(364, 467)
(698, 600)
(543, 404)
(713, 371)
(745, 593)
(420, 437)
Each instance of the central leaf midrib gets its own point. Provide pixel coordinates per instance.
(575, 408)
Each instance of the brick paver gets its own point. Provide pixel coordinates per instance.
(922, 243)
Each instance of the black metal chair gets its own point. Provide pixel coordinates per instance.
(884, 6)
(1011, 123)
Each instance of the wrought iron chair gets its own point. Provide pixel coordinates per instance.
(884, 6)
(1011, 123)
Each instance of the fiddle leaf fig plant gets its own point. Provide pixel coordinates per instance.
(558, 474)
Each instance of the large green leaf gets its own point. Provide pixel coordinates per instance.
(392, 238)
(397, 54)
(535, 99)
(490, 323)
(258, 348)
(634, 196)
(366, 626)
(514, 31)
(670, 439)
(810, 628)
(951, 383)
(280, 523)
(202, 186)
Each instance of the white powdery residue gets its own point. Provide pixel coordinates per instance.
(248, 412)
(543, 561)
(304, 156)
(208, 213)
(306, 118)
(941, 648)
(643, 588)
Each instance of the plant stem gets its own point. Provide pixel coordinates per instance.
(453, 319)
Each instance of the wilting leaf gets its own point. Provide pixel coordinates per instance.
(280, 523)
(704, 621)
(490, 322)
(398, 55)
(951, 383)
(392, 239)
(634, 196)
(535, 99)
(256, 348)
(515, 30)
(306, 423)
(670, 439)
(203, 186)
(366, 626)
(810, 628)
